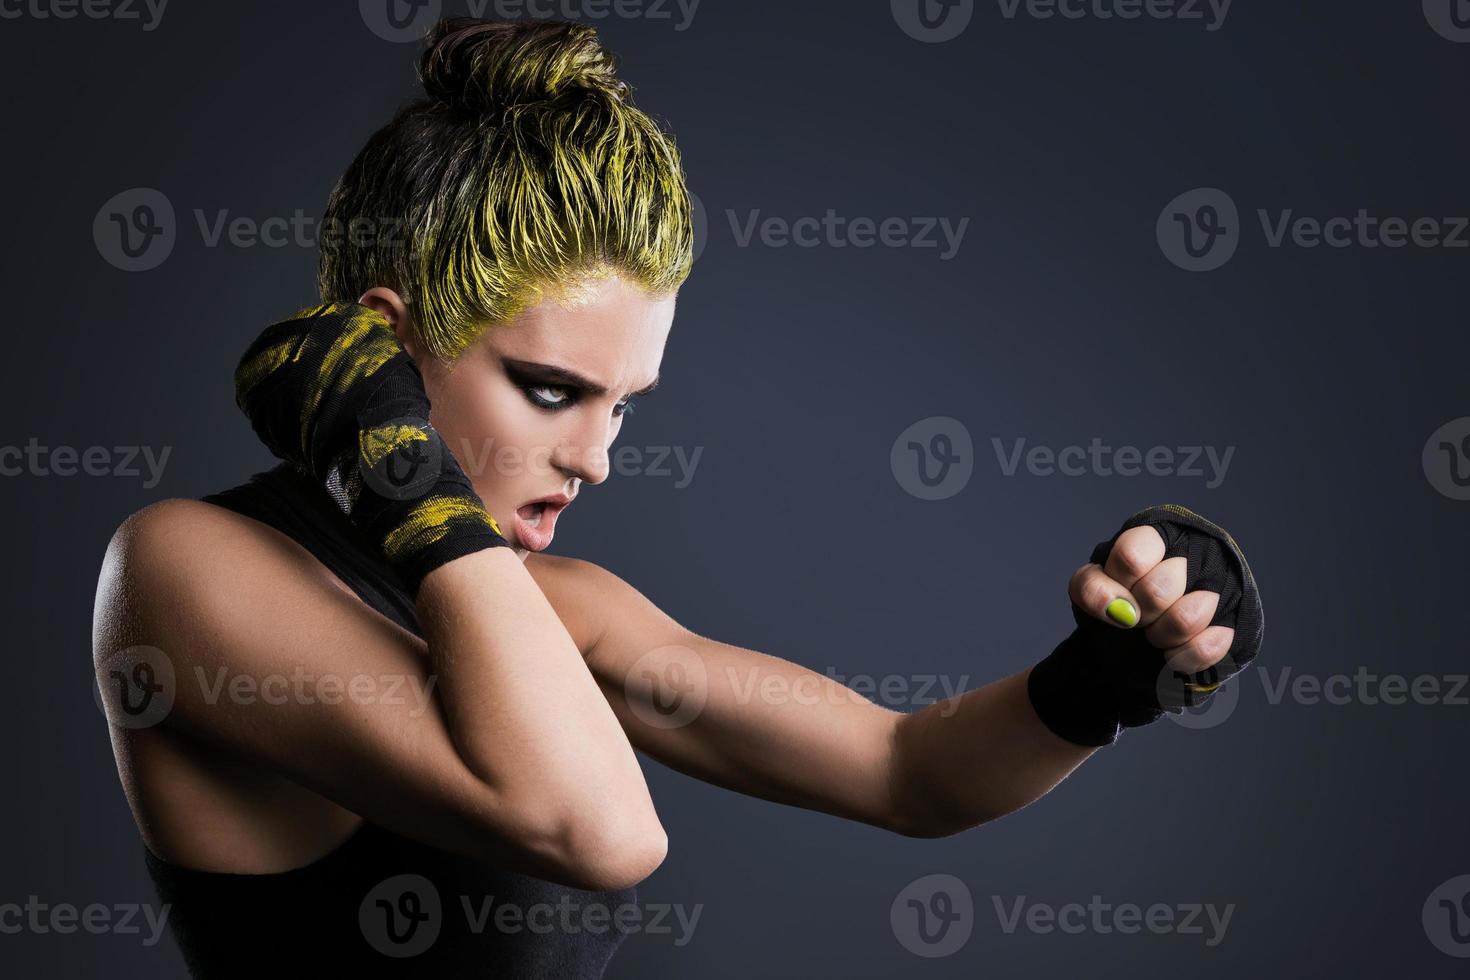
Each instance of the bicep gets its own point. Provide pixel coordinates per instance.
(277, 665)
(739, 718)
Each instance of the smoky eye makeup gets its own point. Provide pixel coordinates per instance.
(554, 389)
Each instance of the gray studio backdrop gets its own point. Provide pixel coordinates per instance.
(977, 281)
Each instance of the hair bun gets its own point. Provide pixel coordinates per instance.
(486, 67)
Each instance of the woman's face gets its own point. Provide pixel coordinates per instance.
(531, 409)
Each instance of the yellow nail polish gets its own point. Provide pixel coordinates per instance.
(1121, 611)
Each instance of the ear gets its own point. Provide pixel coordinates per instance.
(395, 308)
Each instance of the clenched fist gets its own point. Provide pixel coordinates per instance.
(1167, 610)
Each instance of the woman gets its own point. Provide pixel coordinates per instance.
(353, 697)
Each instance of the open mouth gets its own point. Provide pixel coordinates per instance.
(536, 523)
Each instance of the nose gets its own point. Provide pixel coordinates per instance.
(582, 453)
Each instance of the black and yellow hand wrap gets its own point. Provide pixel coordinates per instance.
(1102, 679)
(330, 389)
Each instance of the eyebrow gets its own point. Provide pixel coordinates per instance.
(563, 376)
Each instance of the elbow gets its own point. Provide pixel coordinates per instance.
(925, 820)
(591, 848)
(611, 854)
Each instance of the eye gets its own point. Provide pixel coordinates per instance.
(624, 407)
(550, 397)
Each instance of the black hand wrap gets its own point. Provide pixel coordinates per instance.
(330, 389)
(1102, 679)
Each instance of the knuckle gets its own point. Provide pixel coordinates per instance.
(1130, 560)
(1095, 594)
(1155, 590)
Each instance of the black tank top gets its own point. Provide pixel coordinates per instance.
(379, 904)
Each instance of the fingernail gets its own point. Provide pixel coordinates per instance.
(1121, 611)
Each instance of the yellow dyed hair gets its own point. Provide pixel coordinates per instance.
(525, 172)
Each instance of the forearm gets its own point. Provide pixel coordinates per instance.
(974, 757)
(523, 709)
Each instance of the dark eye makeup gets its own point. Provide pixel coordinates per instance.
(555, 397)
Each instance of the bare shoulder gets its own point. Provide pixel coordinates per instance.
(595, 604)
(178, 550)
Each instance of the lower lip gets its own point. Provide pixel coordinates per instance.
(538, 538)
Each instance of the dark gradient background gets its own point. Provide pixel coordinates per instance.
(795, 369)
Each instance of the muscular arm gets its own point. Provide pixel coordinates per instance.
(517, 759)
(770, 728)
